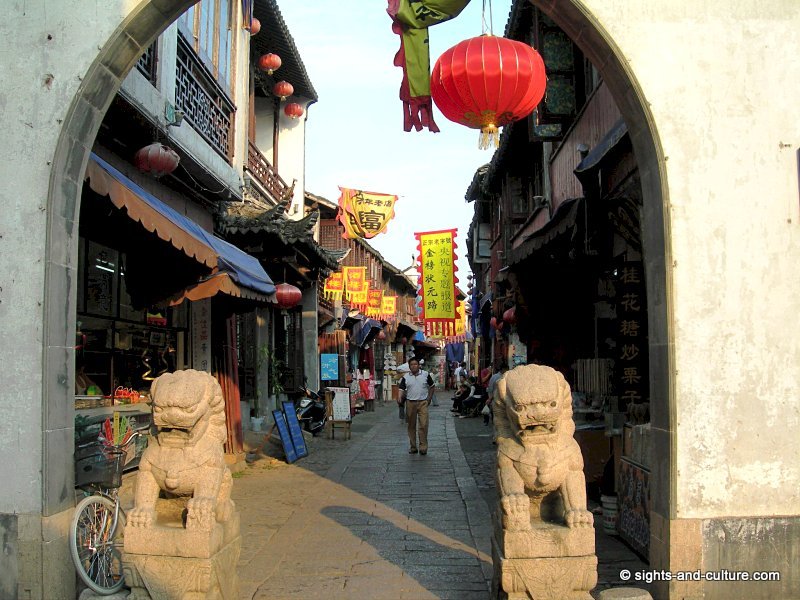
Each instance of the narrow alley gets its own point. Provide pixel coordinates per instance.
(361, 518)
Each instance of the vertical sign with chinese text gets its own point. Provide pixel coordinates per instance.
(437, 280)
(631, 367)
(201, 335)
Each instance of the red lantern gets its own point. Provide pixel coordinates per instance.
(510, 316)
(381, 335)
(404, 341)
(287, 295)
(283, 89)
(293, 110)
(269, 62)
(156, 159)
(487, 82)
(255, 27)
(495, 323)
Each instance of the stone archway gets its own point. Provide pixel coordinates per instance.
(114, 60)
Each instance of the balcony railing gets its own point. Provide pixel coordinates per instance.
(203, 102)
(264, 172)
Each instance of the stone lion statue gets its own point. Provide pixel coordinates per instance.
(186, 456)
(539, 463)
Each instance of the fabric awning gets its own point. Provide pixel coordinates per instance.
(564, 220)
(240, 269)
(363, 331)
(219, 283)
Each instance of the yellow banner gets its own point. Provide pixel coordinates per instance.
(334, 287)
(389, 307)
(374, 303)
(438, 280)
(364, 214)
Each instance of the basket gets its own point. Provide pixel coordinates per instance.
(100, 465)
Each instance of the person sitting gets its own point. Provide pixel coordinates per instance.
(472, 405)
(462, 394)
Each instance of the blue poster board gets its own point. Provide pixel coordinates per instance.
(329, 367)
(295, 431)
(286, 438)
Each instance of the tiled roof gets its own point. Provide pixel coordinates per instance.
(275, 37)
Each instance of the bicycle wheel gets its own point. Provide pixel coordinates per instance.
(96, 544)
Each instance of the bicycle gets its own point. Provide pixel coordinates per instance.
(95, 532)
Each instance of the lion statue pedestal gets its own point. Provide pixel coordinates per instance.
(543, 543)
(186, 544)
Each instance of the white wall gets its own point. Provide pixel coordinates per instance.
(723, 92)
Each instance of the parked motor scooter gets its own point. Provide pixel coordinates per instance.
(311, 411)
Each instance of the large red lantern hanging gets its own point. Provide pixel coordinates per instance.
(269, 62)
(156, 159)
(283, 89)
(510, 316)
(293, 110)
(487, 82)
(287, 295)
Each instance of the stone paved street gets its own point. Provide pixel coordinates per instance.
(364, 519)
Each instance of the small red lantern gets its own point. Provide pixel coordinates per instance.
(156, 159)
(293, 110)
(381, 335)
(287, 295)
(495, 323)
(487, 82)
(510, 316)
(255, 27)
(283, 89)
(269, 62)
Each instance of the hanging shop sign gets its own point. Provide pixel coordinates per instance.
(364, 214)
(437, 266)
(356, 285)
(389, 307)
(374, 303)
(334, 287)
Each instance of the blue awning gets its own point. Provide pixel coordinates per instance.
(364, 329)
(231, 267)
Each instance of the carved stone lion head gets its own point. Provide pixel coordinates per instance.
(188, 406)
(538, 403)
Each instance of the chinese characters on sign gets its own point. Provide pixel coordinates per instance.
(631, 377)
(334, 286)
(374, 303)
(438, 281)
(356, 285)
(201, 335)
(364, 214)
(389, 307)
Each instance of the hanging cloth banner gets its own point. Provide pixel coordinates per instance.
(374, 303)
(334, 287)
(389, 307)
(410, 20)
(364, 214)
(356, 285)
(437, 267)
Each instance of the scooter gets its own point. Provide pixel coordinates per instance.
(311, 411)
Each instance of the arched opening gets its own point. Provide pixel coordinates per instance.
(117, 58)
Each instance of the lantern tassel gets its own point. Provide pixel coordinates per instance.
(490, 136)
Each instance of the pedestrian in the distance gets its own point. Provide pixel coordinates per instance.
(417, 388)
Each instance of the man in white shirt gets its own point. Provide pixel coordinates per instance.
(461, 374)
(417, 390)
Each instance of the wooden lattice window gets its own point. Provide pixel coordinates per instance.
(203, 102)
(147, 63)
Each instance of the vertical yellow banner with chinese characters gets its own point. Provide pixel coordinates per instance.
(437, 267)
(374, 303)
(356, 285)
(389, 307)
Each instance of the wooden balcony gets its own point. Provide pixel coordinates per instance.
(265, 174)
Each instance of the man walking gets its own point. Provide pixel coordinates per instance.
(417, 389)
